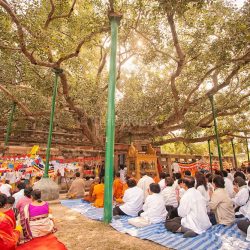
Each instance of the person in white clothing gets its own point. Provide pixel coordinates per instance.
(144, 183)
(177, 177)
(6, 188)
(154, 210)
(169, 194)
(242, 193)
(175, 167)
(201, 186)
(162, 183)
(133, 200)
(122, 174)
(228, 184)
(192, 210)
(20, 194)
(243, 225)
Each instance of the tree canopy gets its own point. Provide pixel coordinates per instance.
(172, 56)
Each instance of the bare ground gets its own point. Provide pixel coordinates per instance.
(80, 233)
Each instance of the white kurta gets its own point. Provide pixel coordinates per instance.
(229, 187)
(18, 196)
(144, 183)
(169, 196)
(154, 209)
(245, 210)
(241, 197)
(193, 211)
(162, 184)
(205, 195)
(133, 200)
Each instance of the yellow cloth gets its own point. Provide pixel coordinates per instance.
(98, 193)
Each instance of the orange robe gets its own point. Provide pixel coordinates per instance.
(156, 179)
(90, 197)
(98, 193)
(118, 188)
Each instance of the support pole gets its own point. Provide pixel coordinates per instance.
(211, 98)
(10, 120)
(46, 170)
(235, 159)
(210, 157)
(110, 122)
(248, 156)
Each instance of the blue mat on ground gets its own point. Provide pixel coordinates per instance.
(217, 237)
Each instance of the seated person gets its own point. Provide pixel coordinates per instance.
(245, 211)
(192, 210)
(118, 187)
(220, 203)
(169, 194)
(9, 233)
(76, 189)
(180, 190)
(154, 210)
(37, 216)
(98, 194)
(242, 193)
(90, 197)
(133, 200)
(162, 182)
(87, 183)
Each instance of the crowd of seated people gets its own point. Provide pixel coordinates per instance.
(187, 204)
(23, 216)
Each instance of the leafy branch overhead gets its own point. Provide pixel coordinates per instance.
(172, 55)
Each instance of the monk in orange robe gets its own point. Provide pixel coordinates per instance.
(98, 194)
(118, 187)
(90, 197)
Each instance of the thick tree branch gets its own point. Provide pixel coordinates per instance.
(51, 16)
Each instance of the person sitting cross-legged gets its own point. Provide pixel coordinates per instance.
(192, 210)
(89, 197)
(154, 210)
(77, 188)
(98, 194)
(118, 187)
(133, 200)
(169, 194)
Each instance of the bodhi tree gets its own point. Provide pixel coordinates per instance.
(172, 56)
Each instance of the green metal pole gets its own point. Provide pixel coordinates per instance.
(235, 159)
(211, 98)
(210, 157)
(13, 109)
(248, 156)
(46, 170)
(110, 122)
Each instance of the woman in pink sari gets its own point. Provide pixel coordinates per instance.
(20, 207)
(37, 218)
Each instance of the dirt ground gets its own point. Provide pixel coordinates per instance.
(80, 233)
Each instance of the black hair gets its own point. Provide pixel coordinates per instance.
(21, 185)
(122, 167)
(167, 175)
(118, 175)
(200, 180)
(239, 181)
(187, 173)
(218, 172)
(7, 182)
(180, 181)
(28, 191)
(3, 200)
(10, 200)
(224, 173)
(189, 181)
(87, 178)
(240, 174)
(177, 176)
(131, 183)
(169, 181)
(155, 188)
(36, 195)
(162, 175)
(78, 174)
(219, 182)
(38, 178)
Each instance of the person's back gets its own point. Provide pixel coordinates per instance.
(154, 208)
(144, 183)
(193, 211)
(98, 194)
(169, 193)
(77, 188)
(6, 189)
(118, 187)
(133, 201)
(222, 206)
